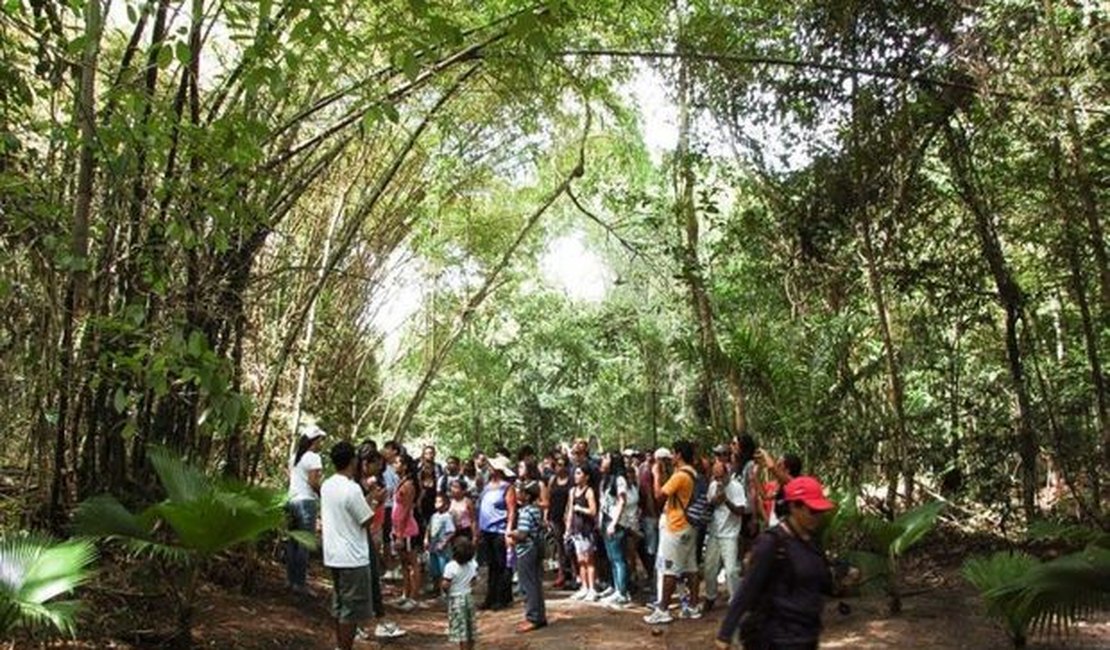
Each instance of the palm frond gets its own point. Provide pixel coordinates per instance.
(104, 516)
(183, 482)
(1057, 593)
(915, 525)
(33, 571)
(1073, 534)
(997, 571)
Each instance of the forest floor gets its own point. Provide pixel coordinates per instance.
(941, 612)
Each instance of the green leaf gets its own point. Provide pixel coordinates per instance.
(120, 400)
(182, 52)
(915, 524)
(165, 56)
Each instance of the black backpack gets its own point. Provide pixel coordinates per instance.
(698, 512)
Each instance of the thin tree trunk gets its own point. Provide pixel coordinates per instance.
(310, 325)
(85, 115)
(714, 364)
(1012, 299)
(476, 300)
(898, 460)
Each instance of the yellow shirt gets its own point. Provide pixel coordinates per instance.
(679, 490)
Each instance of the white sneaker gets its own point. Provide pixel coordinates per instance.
(619, 600)
(406, 605)
(580, 594)
(608, 592)
(388, 630)
(361, 634)
(692, 613)
(591, 596)
(608, 598)
(658, 617)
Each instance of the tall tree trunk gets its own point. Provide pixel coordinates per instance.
(715, 366)
(1012, 299)
(85, 116)
(899, 463)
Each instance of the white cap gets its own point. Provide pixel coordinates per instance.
(501, 464)
(313, 432)
(662, 453)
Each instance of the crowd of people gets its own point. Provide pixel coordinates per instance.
(669, 524)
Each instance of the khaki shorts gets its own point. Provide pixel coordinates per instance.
(350, 601)
(678, 551)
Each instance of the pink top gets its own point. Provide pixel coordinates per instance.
(460, 511)
(404, 523)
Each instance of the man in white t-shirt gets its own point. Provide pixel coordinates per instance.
(305, 468)
(727, 498)
(345, 516)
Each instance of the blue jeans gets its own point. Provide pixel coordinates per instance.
(437, 562)
(614, 548)
(302, 515)
(529, 566)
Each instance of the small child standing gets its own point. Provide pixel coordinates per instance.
(528, 541)
(458, 578)
(441, 529)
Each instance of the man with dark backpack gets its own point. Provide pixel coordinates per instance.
(778, 606)
(677, 538)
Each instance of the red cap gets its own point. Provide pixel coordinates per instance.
(808, 490)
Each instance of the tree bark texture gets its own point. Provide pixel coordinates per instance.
(85, 112)
(715, 365)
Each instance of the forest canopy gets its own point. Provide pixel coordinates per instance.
(866, 232)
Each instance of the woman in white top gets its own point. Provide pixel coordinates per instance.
(305, 469)
(614, 502)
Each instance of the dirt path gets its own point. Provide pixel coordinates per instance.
(944, 615)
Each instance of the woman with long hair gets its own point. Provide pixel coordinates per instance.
(614, 501)
(496, 512)
(305, 470)
(581, 520)
(630, 519)
(405, 531)
(428, 480)
(559, 490)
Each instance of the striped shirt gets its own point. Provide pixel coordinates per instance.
(529, 521)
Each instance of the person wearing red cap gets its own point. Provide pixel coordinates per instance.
(782, 591)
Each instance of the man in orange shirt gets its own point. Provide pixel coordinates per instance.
(677, 538)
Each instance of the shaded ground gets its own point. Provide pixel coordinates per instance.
(940, 614)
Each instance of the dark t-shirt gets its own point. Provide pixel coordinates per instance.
(557, 508)
(792, 586)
